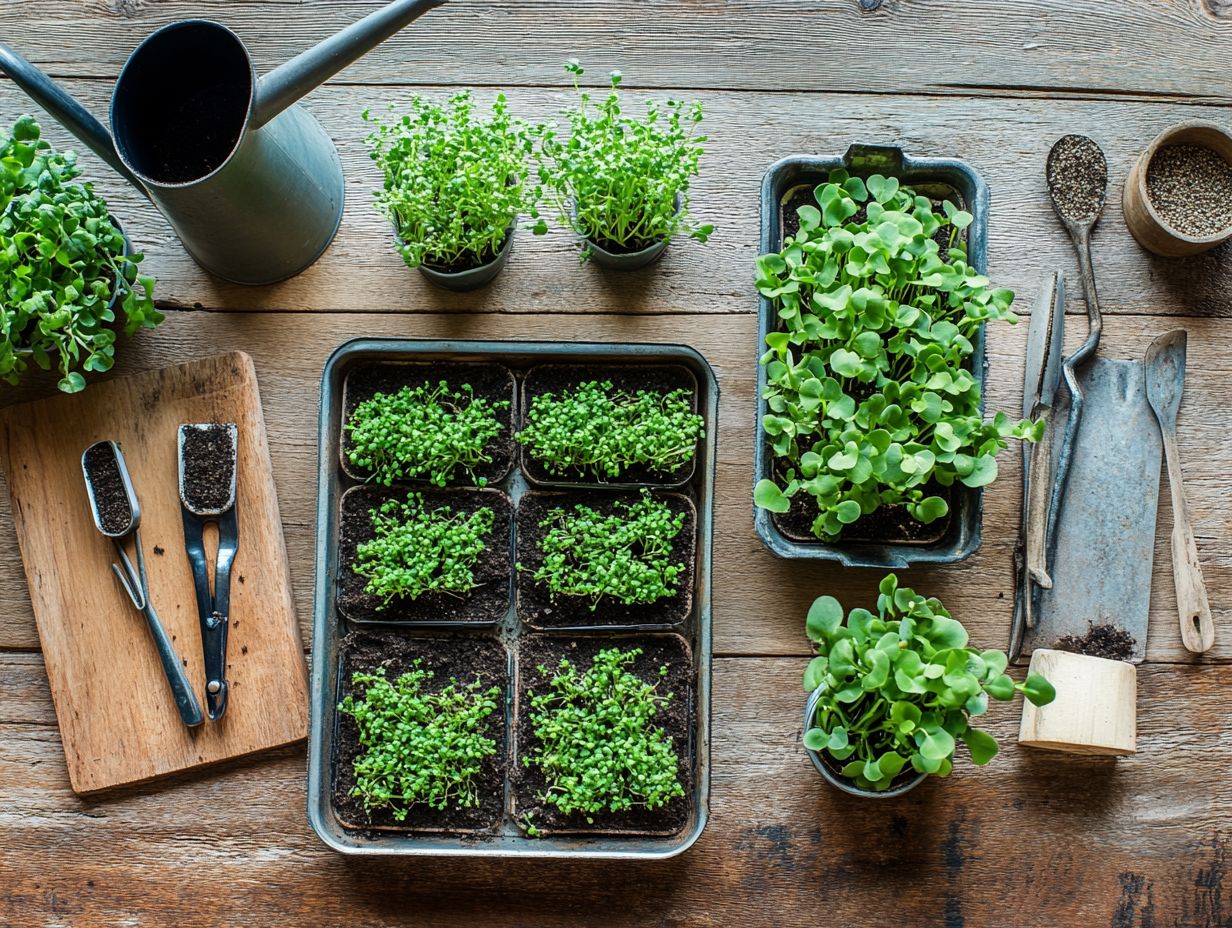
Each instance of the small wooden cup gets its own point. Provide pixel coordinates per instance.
(1095, 711)
(1144, 222)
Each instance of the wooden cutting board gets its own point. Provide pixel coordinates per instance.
(117, 719)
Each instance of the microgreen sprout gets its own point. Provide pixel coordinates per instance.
(898, 687)
(426, 431)
(596, 740)
(619, 182)
(869, 395)
(594, 430)
(419, 747)
(455, 183)
(624, 556)
(62, 262)
(417, 550)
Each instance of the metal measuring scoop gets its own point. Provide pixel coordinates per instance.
(213, 606)
(113, 524)
(1078, 184)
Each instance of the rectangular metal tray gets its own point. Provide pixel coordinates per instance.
(329, 626)
(937, 177)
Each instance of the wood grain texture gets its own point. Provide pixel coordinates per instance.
(118, 721)
(862, 46)
(1033, 839)
(759, 601)
(361, 272)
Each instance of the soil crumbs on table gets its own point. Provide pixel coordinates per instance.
(1077, 177)
(463, 659)
(1191, 189)
(209, 467)
(1106, 641)
(110, 498)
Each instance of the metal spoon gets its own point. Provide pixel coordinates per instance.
(1165, 381)
(1078, 184)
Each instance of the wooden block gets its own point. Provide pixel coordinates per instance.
(1095, 711)
(117, 719)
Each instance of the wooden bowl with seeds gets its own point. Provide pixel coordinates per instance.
(1178, 196)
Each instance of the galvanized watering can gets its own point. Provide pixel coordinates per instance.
(250, 182)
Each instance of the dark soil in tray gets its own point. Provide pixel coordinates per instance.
(460, 658)
(1107, 641)
(887, 525)
(677, 719)
(209, 467)
(493, 382)
(627, 377)
(487, 602)
(110, 498)
(535, 605)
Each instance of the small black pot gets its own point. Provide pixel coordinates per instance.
(905, 782)
(472, 278)
(628, 260)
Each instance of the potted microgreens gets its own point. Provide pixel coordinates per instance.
(602, 735)
(873, 411)
(621, 184)
(893, 692)
(454, 186)
(65, 266)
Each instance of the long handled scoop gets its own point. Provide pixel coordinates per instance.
(1165, 382)
(117, 515)
(1078, 184)
(207, 472)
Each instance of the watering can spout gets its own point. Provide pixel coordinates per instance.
(66, 111)
(287, 83)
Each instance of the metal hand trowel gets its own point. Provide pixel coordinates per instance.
(1165, 382)
(207, 472)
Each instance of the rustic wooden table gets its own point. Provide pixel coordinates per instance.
(1033, 839)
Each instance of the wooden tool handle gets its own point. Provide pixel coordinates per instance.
(1039, 494)
(1197, 627)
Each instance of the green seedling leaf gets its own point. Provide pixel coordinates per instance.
(1038, 690)
(824, 618)
(767, 495)
(983, 746)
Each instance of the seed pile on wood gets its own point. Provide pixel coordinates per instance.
(209, 467)
(1077, 177)
(1191, 189)
(114, 513)
(1108, 641)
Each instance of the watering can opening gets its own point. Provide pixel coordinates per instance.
(182, 104)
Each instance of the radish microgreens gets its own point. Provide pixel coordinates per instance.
(899, 687)
(870, 399)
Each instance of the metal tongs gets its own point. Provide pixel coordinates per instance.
(212, 606)
(135, 581)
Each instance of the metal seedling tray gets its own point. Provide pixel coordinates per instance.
(329, 627)
(939, 178)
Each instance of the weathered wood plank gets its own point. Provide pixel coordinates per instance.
(759, 601)
(748, 132)
(1048, 839)
(882, 46)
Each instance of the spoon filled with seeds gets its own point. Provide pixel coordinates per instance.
(1077, 174)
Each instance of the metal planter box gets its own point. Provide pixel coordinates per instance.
(942, 178)
(329, 626)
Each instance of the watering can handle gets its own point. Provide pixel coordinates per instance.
(290, 81)
(65, 110)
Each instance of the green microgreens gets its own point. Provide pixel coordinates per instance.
(417, 550)
(593, 430)
(899, 687)
(419, 748)
(454, 182)
(427, 431)
(620, 182)
(624, 556)
(62, 262)
(597, 743)
(869, 393)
